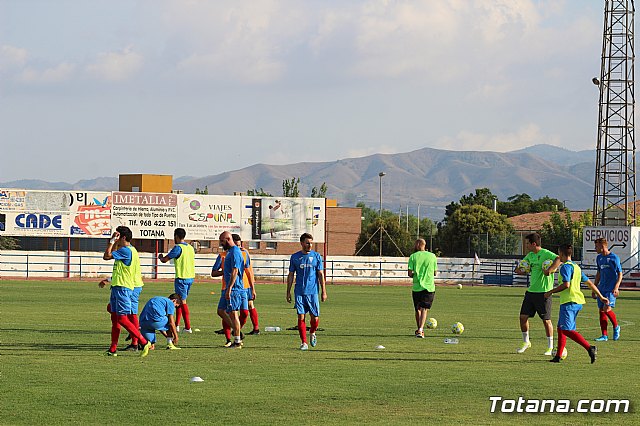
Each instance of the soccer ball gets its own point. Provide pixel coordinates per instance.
(459, 286)
(555, 352)
(457, 328)
(546, 264)
(524, 265)
(432, 323)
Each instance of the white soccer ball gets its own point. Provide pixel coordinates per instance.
(554, 352)
(524, 265)
(432, 323)
(546, 264)
(457, 328)
(459, 286)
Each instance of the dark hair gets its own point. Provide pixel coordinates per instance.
(534, 238)
(176, 296)
(125, 232)
(566, 249)
(180, 233)
(305, 236)
(236, 238)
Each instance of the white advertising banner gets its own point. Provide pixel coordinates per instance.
(622, 240)
(148, 215)
(90, 214)
(284, 219)
(35, 224)
(205, 217)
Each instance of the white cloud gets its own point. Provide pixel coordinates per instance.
(523, 137)
(12, 57)
(61, 72)
(363, 152)
(116, 66)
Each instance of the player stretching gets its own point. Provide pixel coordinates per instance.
(571, 301)
(534, 300)
(307, 266)
(184, 261)
(236, 295)
(249, 285)
(126, 273)
(608, 279)
(157, 315)
(423, 267)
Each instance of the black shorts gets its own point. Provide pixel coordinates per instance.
(536, 303)
(423, 299)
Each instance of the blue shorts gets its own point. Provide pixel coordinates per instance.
(222, 303)
(308, 303)
(568, 315)
(135, 297)
(120, 300)
(238, 301)
(249, 293)
(609, 295)
(182, 287)
(148, 329)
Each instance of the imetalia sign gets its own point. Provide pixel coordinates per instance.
(622, 240)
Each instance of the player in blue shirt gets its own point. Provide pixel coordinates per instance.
(307, 266)
(236, 295)
(158, 315)
(608, 279)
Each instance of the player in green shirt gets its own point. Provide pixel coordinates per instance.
(534, 300)
(423, 267)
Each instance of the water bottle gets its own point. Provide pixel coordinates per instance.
(452, 341)
(272, 329)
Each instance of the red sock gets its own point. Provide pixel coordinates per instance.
(562, 342)
(124, 321)
(244, 314)
(603, 323)
(314, 324)
(613, 318)
(302, 330)
(577, 337)
(178, 314)
(253, 313)
(187, 318)
(115, 332)
(134, 320)
(227, 330)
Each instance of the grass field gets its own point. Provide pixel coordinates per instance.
(52, 369)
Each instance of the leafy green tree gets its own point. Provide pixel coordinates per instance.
(562, 229)
(319, 193)
(290, 187)
(205, 191)
(482, 197)
(8, 243)
(258, 193)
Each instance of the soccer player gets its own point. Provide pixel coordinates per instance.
(307, 266)
(157, 315)
(216, 271)
(126, 273)
(608, 279)
(235, 295)
(135, 299)
(534, 300)
(571, 301)
(183, 257)
(249, 285)
(423, 267)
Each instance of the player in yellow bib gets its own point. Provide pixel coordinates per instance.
(183, 257)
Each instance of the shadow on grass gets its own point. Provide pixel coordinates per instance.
(431, 359)
(47, 347)
(55, 331)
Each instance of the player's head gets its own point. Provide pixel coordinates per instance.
(601, 245)
(237, 240)
(226, 240)
(176, 299)
(534, 240)
(125, 233)
(179, 234)
(420, 245)
(306, 242)
(565, 250)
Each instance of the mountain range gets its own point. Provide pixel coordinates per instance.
(429, 177)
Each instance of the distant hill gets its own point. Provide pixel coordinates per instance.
(429, 177)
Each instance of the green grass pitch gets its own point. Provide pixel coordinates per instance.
(52, 369)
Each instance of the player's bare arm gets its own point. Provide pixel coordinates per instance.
(289, 284)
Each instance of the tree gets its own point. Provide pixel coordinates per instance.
(8, 243)
(258, 193)
(482, 197)
(476, 228)
(290, 187)
(395, 240)
(205, 191)
(562, 229)
(319, 193)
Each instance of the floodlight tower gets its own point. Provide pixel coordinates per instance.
(615, 179)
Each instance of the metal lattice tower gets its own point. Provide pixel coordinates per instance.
(615, 182)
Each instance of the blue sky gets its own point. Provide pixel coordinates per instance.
(194, 87)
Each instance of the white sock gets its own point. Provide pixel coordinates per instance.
(550, 342)
(420, 330)
(525, 336)
(169, 340)
(237, 339)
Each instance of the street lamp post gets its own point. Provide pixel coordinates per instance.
(380, 213)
